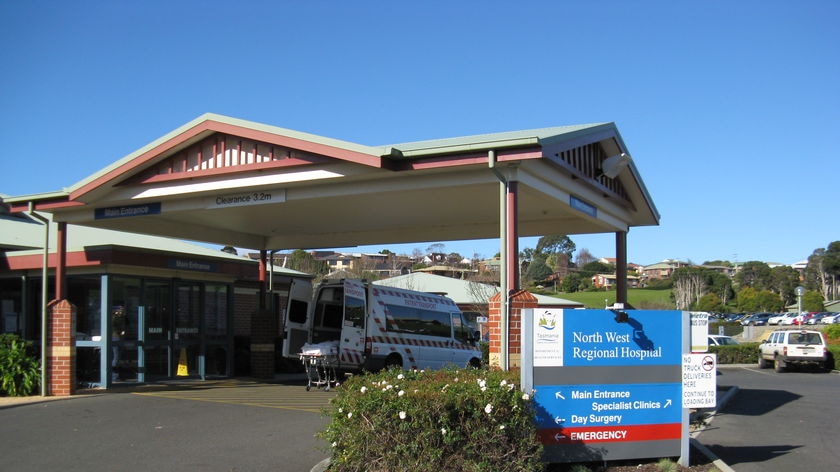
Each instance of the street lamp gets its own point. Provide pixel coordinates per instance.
(800, 290)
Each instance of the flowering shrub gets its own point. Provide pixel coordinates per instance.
(446, 420)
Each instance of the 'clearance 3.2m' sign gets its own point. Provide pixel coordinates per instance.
(607, 383)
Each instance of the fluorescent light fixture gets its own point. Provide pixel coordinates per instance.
(262, 180)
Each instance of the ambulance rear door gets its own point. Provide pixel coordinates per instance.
(297, 321)
(352, 342)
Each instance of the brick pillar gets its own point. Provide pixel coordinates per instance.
(61, 348)
(519, 301)
(263, 332)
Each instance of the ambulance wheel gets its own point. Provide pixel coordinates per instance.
(307, 388)
(475, 363)
(392, 362)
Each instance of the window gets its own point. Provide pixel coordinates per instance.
(354, 312)
(403, 319)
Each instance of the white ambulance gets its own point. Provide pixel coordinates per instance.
(373, 327)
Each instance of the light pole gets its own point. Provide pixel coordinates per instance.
(800, 290)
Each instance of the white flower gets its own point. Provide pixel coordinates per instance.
(350, 414)
(334, 444)
(442, 430)
(526, 397)
(402, 415)
(503, 383)
(501, 426)
(482, 383)
(340, 410)
(363, 389)
(488, 409)
(401, 393)
(400, 377)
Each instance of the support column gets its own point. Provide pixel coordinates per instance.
(519, 300)
(512, 203)
(61, 263)
(263, 330)
(621, 268)
(61, 349)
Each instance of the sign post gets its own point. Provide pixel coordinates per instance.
(607, 384)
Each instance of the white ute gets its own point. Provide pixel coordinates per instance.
(794, 347)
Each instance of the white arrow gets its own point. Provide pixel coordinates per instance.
(667, 403)
(558, 437)
(559, 395)
(558, 420)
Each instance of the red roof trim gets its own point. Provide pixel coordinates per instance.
(210, 125)
(258, 167)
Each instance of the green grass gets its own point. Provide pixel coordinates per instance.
(639, 298)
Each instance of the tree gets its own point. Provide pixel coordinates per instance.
(596, 267)
(823, 271)
(571, 282)
(306, 262)
(584, 257)
(689, 286)
(558, 243)
(812, 301)
(710, 302)
(752, 300)
(538, 271)
(784, 280)
(753, 274)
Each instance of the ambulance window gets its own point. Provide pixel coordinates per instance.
(297, 311)
(354, 312)
(462, 329)
(332, 316)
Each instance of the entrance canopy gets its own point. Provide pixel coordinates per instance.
(234, 182)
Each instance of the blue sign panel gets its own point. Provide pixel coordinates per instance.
(604, 337)
(608, 383)
(127, 211)
(608, 404)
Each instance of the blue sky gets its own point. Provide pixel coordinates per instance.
(731, 110)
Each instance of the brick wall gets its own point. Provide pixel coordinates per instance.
(519, 301)
(61, 348)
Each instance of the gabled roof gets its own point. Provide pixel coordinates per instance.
(230, 181)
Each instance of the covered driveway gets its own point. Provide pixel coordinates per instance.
(233, 182)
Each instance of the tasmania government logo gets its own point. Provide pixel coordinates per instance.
(547, 321)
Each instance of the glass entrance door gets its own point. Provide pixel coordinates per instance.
(157, 320)
(187, 338)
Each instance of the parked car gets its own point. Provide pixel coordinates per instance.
(784, 318)
(831, 318)
(719, 340)
(756, 319)
(790, 347)
(817, 318)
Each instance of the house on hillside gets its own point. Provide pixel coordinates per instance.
(662, 270)
(607, 281)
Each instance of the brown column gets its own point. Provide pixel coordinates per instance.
(263, 331)
(513, 236)
(61, 263)
(61, 348)
(621, 268)
(519, 300)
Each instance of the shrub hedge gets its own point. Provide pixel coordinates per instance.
(20, 370)
(451, 419)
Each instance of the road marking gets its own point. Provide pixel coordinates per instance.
(287, 397)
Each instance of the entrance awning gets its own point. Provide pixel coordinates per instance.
(233, 182)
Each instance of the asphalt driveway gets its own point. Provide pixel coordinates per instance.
(228, 426)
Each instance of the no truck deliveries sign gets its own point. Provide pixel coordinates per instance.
(607, 384)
